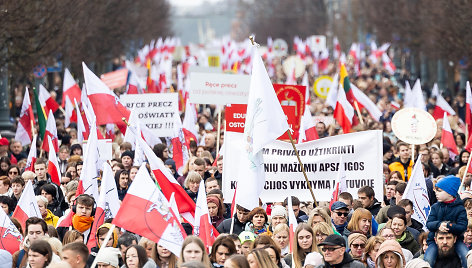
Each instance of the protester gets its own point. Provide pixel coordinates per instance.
(321, 230)
(339, 215)
(371, 250)
(193, 249)
(361, 221)
(122, 183)
(136, 257)
(247, 242)
(239, 220)
(403, 236)
(390, 255)
(305, 243)
(258, 222)
(356, 243)
(76, 254)
(259, 258)
(39, 254)
(335, 255)
(216, 210)
(281, 238)
(236, 261)
(222, 248)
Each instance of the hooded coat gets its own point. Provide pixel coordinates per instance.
(393, 246)
(453, 212)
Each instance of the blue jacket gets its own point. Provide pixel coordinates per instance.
(454, 213)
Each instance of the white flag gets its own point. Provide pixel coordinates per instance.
(417, 193)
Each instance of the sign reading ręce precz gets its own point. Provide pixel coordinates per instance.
(214, 88)
(158, 111)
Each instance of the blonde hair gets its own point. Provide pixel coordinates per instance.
(56, 245)
(280, 228)
(192, 176)
(298, 253)
(144, 242)
(186, 169)
(319, 211)
(323, 228)
(262, 258)
(371, 243)
(194, 239)
(359, 214)
(42, 199)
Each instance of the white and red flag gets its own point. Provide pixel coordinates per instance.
(336, 48)
(24, 131)
(70, 88)
(146, 212)
(343, 113)
(10, 237)
(265, 122)
(203, 227)
(108, 203)
(340, 184)
(105, 103)
(51, 131)
(82, 131)
(27, 206)
(365, 102)
(190, 123)
(447, 138)
(388, 64)
(292, 223)
(53, 165)
(307, 125)
(180, 150)
(169, 184)
(468, 108)
(70, 116)
(46, 100)
(32, 155)
(441, 104)
(89, 173)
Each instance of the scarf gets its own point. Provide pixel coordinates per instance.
(370, 263)
(82, 223)
(401, 239)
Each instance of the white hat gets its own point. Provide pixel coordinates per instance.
(314, 259)
(278, 211)
(109, 256)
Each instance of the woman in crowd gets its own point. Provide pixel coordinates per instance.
(320, 214)
(76, 149)
(259, 258)
(402, 235)
(437, 165)
(356, 243)
(274, 254)
(39, 254)
(47, 215)
(321, 230)
(122, 183)
(72, 236)
(161, 151)
(136, 257)
(164, 258)
(149, 246)
(193, 249)
(460, 141)
(216, 209)
(361, 221)
(371, 249)
(388, 234)
(57, 207)
(281, 238)
(236, 261)
(4, 165)
(258, 222)
(13, 171)
(305, 244)
(394, 175)
(422, 242)
(222, 248)
(278, 215)
(390, 255)
(192, 183)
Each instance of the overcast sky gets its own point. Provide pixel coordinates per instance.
(191, 2)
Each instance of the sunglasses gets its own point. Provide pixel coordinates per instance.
(345, 214)
(357, 245)
(330, 249)
(13, 173)
(63, 183)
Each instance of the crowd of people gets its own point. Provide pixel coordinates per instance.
(355, 231)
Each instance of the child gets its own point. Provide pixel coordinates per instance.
(447, 215)
(247, 242)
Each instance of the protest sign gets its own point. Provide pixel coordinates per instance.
(362, 157)
(291, 97)
(322, 86)
(157, 111)
(414, 126)
(212, 88)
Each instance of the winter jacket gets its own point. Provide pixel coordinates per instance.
(375, 208)
(225, 226)
(453, 212)
(390, 245)
(407, 241)
(51, 219)
(347, 262)
(382, 215)
(122, 193)
(403, 168)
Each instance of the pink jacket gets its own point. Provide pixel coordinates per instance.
(390, 245)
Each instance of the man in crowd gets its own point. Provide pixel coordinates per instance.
(334, 253)
(35, 228)
(339, 214)
(240, 219)
(83, 218)
(17, 150)
(299, 214)
(367, 197)
(447, 256)
(403, 163)
(76, 254)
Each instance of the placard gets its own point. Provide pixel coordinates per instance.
(158, 111)
(414, 126)
(212, 88)
(362, 157)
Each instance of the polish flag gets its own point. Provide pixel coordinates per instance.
(53, 165)
(105, 103)
(190, 123)
(441, 104)
(307, 127)
(51, 131)
(70, 88)
(468, 108)
(32, 155)
(108, 203)
(90, 173)
(10, 237)
(343, 113)
(169, 184)
(292, 222)
(82, 131)
(144, 131)
(447, 138)
(71, 115)
(145, 211)
(24, 131)
(365, 102)
(340, 184)
(46, 100)
(203, 227)
(110, 131)
(27, 206)
(180, 151)
(388, 64)
(337, 48)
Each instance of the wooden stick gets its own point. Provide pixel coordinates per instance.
(465, 174)
(412, 153)
(359, 112)
(466, 133)
(62, 110)
(218, 131)
(303, 168)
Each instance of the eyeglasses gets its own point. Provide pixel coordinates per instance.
(13, 172)
(329, 249)
(357, 245)
(345, 214)
(63, 183)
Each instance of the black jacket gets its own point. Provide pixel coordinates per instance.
(225, 226)
(374, 209)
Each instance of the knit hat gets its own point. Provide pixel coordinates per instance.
(449, 184)
(4, 141)
(417, 263)
(109, 256)
(394, 210)
(213, 199)
(313, 258)
(278, 211)
(246, 236)
(354, 236)
(127, 153)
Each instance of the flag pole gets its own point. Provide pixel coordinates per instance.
(218, 131)
(302, 167)
(359, 112)
(107, 237)
(465, 174)
(413, 153)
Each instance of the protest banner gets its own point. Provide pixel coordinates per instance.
(291, 96)
(212, 88)
(362, 157)
(157, 111)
